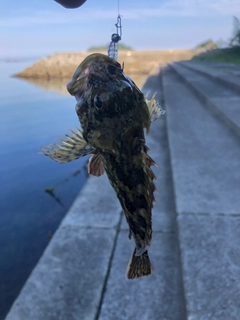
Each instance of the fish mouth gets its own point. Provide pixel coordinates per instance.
(93, 63)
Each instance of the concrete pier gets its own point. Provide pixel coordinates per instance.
(196, 219)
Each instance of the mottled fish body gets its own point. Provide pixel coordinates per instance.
(113, 114)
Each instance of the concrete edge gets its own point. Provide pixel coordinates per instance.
(174, 197)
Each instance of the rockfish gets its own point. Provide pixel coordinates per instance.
(113, 114)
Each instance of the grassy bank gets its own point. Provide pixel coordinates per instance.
(228, 55)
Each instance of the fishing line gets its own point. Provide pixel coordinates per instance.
(115, 38)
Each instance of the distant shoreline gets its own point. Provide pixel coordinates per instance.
(18, 60)
(62, 65)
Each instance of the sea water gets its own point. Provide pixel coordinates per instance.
(36, 192)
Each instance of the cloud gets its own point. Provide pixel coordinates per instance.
(169, 8)
(37, 18)
(187, 8)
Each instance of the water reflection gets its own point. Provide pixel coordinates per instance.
(56, 85)
(59, 85)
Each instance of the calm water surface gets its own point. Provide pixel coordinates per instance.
(30, 118)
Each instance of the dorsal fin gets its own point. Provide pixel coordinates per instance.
(154, 108)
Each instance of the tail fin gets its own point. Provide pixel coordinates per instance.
(139, 266)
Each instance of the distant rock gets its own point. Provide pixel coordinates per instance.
(62, 65)
(59, 65)
(207, 45)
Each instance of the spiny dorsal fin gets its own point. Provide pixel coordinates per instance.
(95, 165)
(154, 108)
(73, 148)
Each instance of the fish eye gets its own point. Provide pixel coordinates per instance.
(98, 102)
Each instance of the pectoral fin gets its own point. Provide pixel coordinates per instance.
(73, 148)
(95, 165)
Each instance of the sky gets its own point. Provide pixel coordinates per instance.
(36, 28)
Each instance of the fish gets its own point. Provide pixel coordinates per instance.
(114, 115)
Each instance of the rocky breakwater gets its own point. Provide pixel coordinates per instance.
(62, 65)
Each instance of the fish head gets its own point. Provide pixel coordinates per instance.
(108, 103)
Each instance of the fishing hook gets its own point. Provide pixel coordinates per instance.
(115, 38)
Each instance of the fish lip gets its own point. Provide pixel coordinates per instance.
(78, 94)
(73, 87)
(77, 80)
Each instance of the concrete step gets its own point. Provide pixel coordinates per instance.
(225, 102)
(204, 155)
(68, 281)
(226, 74)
